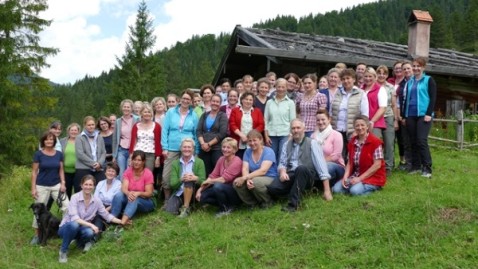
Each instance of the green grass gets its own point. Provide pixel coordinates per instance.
(411, 223)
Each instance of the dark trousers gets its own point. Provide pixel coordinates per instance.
(80, 173)
(210, 159)
(300, 180)
(345, 152)
(403, 143)
(69, 182)
(221, 195)
(418, 131)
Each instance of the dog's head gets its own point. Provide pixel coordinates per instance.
(38, 208)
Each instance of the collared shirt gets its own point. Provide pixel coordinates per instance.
(309, 108)
(106, 196)
(377, 154)
(343, 108)
(292, 163)
(277, 116)
(77, 209)
(186, 167)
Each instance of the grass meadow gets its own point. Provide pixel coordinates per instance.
(412, 223)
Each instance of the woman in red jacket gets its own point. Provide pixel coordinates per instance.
(146, 136)
(244, 119)
(365, 170)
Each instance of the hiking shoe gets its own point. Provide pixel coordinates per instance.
(35, 240)
(426, 174)
(87, 247)
(223, 213)
(289, 209)
(63, 257)
(184, 212)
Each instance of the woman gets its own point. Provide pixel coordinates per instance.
(232, 102)
(247, 81)
(333, 81)
(137, 105)
(293, 85)
(391, 124)
(420, 97)
(172, 100)
(186, 173)
(403, 140)
(278, 114)
(77, 224)
(261, 98)
(122, 135)
(90, 153)
(332, 145)
(239, 86)
(244, 119)
(323, 83)
(136, 190)
(159, 109)
(207, 91)
(197, 100)
(69, 160)
(55, 128)
(106, 191)
(259, 169)
(47, 179)
(308, 103)
(365, 170)
(180, 123)
(212, 129)
(104, 125)
(377, 101)
(217, 190)
(146, 136)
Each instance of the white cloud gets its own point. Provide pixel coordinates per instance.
(85, 48)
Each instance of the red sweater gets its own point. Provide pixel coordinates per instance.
(158, 150)
(366, 160)
(236, 118)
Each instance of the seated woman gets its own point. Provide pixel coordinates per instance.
(106, 191)
(365, 170)
(332, 145)
(259, 168)
(186, 172)
(136, 190)
(77, 223)
(217, 190)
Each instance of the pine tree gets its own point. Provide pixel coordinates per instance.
(24, 96)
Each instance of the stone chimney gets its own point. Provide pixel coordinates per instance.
(419, 34)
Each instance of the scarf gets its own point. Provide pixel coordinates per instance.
(320, 137)
(92, 140)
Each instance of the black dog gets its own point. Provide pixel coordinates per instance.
(47, 223)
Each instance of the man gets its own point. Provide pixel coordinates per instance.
(297, 170)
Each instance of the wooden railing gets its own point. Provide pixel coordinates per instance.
(459, 140)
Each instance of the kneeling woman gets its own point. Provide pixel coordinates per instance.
(259, 168)
(217, 189)
(77, 223)
(185, 174)
(136, 190)
(365, 171)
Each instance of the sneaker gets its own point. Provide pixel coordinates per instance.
(413, 171)
(289, 209)
(63, 257)
(35, 240)
(426, 174)
(223, 213)
(184, 212)
(87, 247)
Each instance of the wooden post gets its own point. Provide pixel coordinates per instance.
(460, 128)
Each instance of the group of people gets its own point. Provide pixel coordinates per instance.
(248, 142)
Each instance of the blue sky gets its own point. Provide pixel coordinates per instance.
(91, 33)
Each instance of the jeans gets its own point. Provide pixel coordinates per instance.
(277, 143)
(418, 131)
(222, 195)
(120, 201)
(336, 172)
(122, 161)
(73, 230)
(356, 189)
(300, 179)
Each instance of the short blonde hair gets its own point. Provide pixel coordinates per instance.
(231, 142)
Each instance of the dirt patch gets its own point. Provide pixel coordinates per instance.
(454, 215)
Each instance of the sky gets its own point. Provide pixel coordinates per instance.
(90, 34)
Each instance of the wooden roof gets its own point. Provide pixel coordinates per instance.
(277, 45)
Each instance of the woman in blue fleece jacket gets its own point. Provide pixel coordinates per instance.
(179, 123)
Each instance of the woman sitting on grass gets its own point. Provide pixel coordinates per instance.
(217, 189)
(365, 170)
(136, 190)
(259, 169)
(106, 190)
(77, 223)
(185, 174)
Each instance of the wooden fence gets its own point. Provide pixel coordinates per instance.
(459, 140)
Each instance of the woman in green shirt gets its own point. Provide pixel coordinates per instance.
(68, 149)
